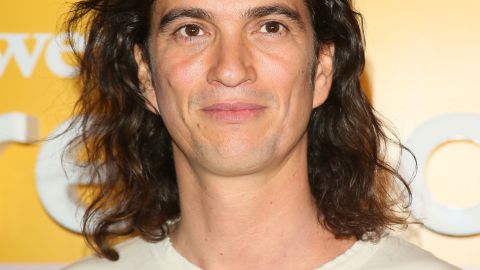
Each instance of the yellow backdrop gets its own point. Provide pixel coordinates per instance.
(27, 234)
(422, 59)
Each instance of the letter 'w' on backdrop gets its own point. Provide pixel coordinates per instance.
(424, 140)
(58, 176)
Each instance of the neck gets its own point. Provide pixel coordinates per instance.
(257, 221)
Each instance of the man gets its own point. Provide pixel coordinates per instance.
(234, 135)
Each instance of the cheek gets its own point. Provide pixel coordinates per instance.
(182, 71)
(288, 74)
(177, 77)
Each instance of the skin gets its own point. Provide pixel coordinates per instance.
(233, 84)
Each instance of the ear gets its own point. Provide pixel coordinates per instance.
(145, 79)
(324, 75)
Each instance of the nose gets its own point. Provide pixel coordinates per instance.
(231, 63)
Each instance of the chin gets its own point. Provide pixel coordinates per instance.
(237, 163)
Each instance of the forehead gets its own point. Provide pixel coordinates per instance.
(227, 9)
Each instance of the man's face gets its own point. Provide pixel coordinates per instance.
(232, 80)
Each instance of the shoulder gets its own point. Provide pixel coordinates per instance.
(397, 254)
(135, 253)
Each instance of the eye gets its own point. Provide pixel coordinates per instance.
(272, 28)
(190, 30)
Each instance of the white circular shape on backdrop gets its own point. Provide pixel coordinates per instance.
(56, 176)
(423, 141)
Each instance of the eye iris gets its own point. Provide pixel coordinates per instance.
(192, 30)
(272, 27)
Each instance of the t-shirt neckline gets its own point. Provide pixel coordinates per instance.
(354, 256)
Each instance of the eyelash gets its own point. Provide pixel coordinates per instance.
(282, 28)
(184, 36)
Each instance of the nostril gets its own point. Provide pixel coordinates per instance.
(231, 74)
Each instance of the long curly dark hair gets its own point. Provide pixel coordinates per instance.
(128, 147)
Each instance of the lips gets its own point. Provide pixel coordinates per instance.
(233, 113)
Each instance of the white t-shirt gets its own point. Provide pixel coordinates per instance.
(390, 253)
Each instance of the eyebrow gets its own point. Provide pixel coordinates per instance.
(256, 12)
(176, 14)
(264, 11)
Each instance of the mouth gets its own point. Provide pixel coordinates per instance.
(234, 113)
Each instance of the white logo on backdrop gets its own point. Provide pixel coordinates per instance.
(17, 127)
(57, 177)
(55, 47)
(425, 138)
